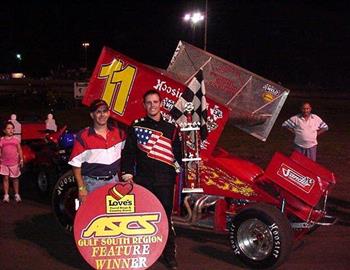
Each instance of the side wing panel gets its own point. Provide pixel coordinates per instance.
(122, 81)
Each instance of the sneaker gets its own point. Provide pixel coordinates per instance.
(6, 198)
(18, 198)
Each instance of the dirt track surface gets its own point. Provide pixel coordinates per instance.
(32, 239)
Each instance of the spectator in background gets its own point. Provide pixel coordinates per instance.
(11, 161)
(96, 153)
(18, 127)
(50, 123)
(306, 127)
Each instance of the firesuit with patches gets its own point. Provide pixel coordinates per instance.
(150, 152)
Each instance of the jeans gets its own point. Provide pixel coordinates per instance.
(93, 184)
(308, 152)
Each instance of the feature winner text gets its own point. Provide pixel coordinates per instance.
(132, 251)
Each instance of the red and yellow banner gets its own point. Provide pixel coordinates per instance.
(122, 226)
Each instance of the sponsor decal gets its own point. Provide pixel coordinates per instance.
(168, 104)
(204, 144)
(211, 124)
(303, 182)
(121, 226)
(62, 183)
(216, 112)
(232, 239)
(65, 185)
(270, 92)
(276, 240)
(162, 86)
(277, 244)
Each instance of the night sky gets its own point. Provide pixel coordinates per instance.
(292, 42)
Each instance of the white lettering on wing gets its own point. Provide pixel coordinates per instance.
(294, 176)
(162, 86)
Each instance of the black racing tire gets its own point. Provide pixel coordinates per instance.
(261, 236)
(63, 200)
(45, 180)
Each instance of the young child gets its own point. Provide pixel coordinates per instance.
(11, 161)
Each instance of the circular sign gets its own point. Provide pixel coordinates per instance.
(122, 226)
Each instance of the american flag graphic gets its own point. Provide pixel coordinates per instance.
(155, 144)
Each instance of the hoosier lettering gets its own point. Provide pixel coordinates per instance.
(162, 86)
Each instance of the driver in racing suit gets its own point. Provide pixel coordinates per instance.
(153, 167)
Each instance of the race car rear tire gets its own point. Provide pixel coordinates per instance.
(64, 196)
(261, 236)
(45, 180)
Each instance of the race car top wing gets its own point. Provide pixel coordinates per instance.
(254, 101)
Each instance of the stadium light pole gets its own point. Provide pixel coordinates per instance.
(195, 18)
(205, 25)
(86, 45)
(19, 61)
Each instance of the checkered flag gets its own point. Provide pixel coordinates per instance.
(195, 94)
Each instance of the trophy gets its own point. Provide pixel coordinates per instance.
(190, 151)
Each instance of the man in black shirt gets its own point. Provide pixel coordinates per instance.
(150, 158)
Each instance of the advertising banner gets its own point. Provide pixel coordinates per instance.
(122, 226)
(79, 89)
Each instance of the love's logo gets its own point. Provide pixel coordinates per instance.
(119, 199)
(120, 190)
